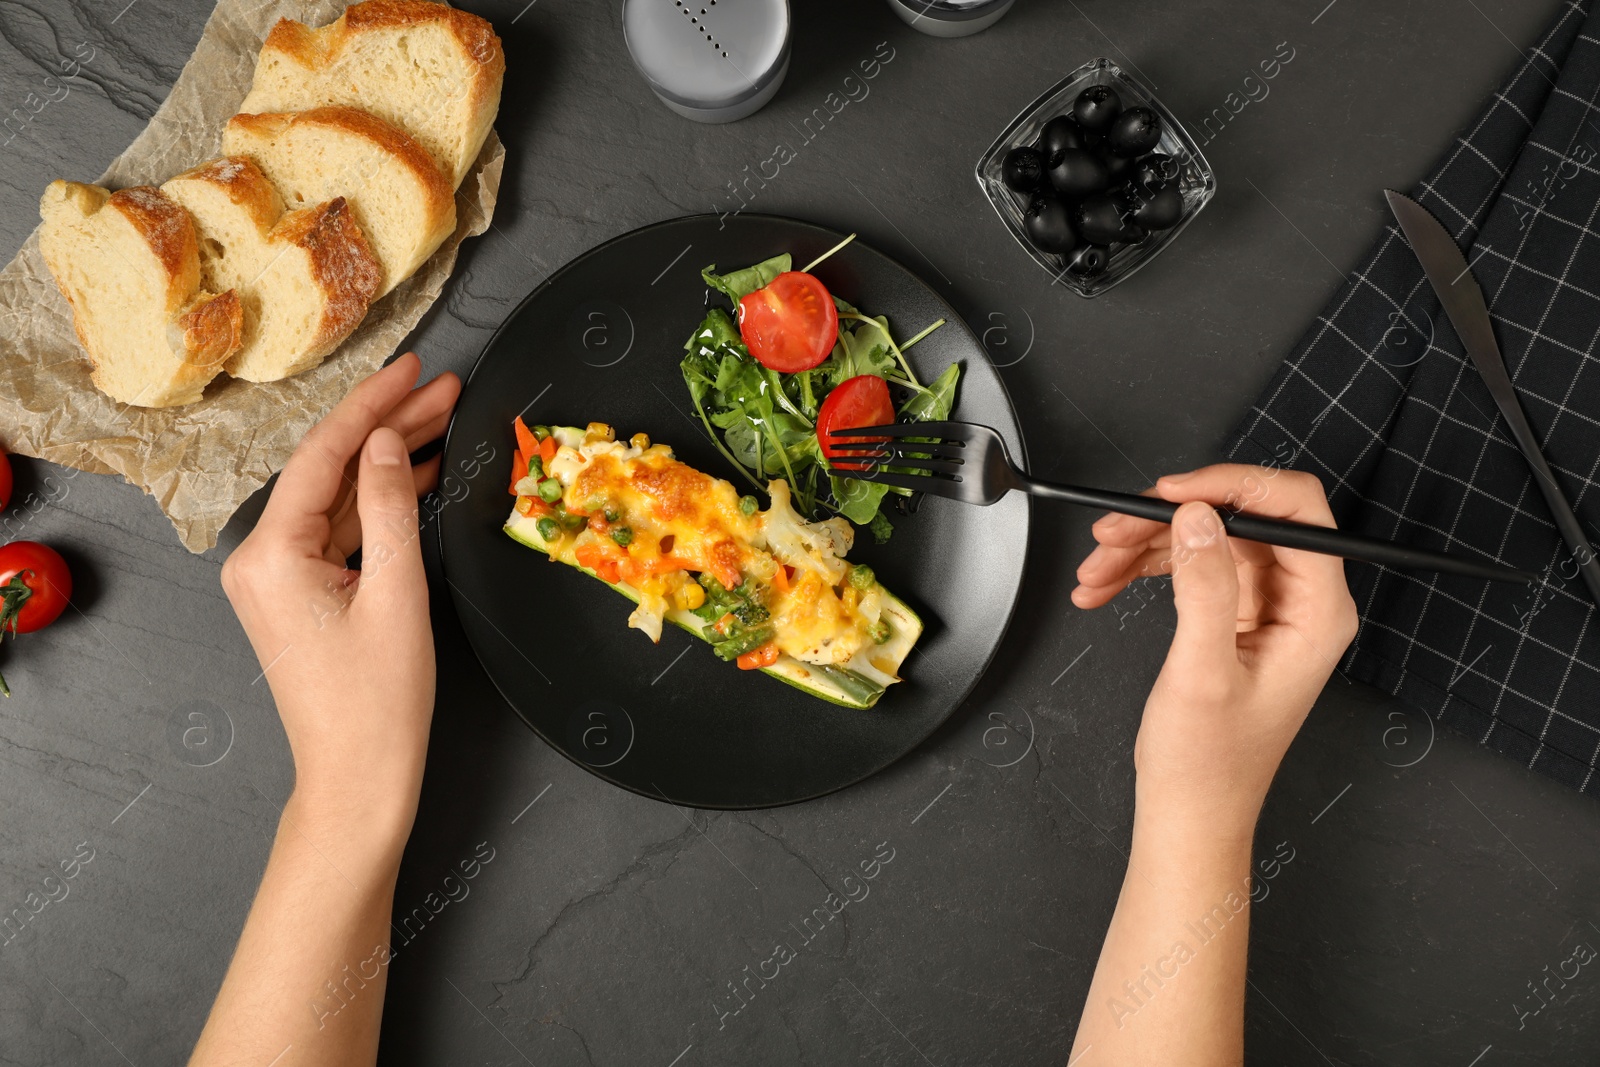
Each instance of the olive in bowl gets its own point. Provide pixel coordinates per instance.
(1134, 132)
(1106, 219)
(1023, 170)
(1156, 209)
(1078, 173)
(1058, 135)
(1048, 223)
(1089, 261)
(1154, 171)
(1096, 108)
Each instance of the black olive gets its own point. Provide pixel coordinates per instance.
(1155, 170)
(1089, 261)
(1120, 168)
(1159, 210)
(1023, 169)
(1078, 173)
(1058, 135)
(1134, 132)
(1048, 223)
(1096, 107)
(1103, 220)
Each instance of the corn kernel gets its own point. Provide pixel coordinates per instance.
(599, 431)
(690, 596)
(641, 441)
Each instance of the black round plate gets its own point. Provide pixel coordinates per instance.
(600, 340)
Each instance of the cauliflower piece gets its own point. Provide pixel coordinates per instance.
(818, 547)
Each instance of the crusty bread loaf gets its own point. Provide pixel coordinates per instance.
(304, 278)
(401, 202)
(423, 67)
(128, 264)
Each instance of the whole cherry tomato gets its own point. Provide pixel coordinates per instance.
(859, 401)
(35, 586)
(5, 479)
(790, 324)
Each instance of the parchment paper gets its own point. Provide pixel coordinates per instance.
(202, 461)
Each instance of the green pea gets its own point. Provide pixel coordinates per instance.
(748, 505)
(548, 528)
(549, 490)
(535, 467)
(622, 536)
(861, 577)
(879, 632)
(541, 432)
(612, 514)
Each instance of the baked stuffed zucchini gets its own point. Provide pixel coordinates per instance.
(767, 589)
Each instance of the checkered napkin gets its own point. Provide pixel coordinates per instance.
(1380, 401)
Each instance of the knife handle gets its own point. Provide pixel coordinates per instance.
(1567, 521)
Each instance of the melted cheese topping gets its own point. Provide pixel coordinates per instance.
(681, 520)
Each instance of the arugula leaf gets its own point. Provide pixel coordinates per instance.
(858, 501)
(716, 330)
(933, 404)
(736, 285)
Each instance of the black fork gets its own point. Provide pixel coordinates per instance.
(967, 462)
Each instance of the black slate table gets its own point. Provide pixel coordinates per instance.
(1431, 887)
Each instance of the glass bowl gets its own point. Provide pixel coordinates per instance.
(1196, 182)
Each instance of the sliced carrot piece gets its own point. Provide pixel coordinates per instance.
(526, 442)
(547, 451)
(765, 656)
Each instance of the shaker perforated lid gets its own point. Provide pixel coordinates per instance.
(710, 60)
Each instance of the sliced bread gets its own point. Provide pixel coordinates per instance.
(400, 200)
(423, 67)
(129, 265)
(304, 278)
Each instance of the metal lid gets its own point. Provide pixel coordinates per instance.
(707, 54)
(955, 10)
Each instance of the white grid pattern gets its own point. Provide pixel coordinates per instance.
(1418, 453)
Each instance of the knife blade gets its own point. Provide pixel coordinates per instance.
(1451, 277)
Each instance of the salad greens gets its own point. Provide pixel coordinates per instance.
(764, 421)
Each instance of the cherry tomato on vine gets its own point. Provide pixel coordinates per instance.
(859, 401)
(35, 586)
(790, 324)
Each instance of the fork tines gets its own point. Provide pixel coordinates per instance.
(951, 431)
(893, 449)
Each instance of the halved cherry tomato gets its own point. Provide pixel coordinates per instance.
(765, 656)
(5, 479)
(790, 324)
(35, 587)
(859, 401)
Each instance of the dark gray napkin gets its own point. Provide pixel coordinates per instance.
(1380, 401)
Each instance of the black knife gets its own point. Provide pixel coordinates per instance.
(1451, 277)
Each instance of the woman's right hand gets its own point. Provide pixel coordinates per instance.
(1260, 630)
